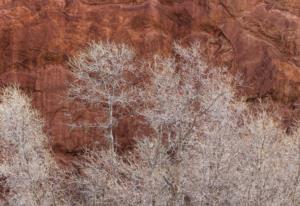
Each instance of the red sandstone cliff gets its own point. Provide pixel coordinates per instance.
(260, 40)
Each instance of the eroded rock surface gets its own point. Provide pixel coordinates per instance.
(259, 39)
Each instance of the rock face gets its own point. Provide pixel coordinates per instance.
(259, 39)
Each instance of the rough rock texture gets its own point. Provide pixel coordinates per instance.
(260, 39)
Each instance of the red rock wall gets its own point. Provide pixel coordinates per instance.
(259, 39)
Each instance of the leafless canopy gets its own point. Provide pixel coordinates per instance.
(100, 79)
(28, 163)
(206, 146)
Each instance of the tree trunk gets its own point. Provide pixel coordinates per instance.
(110, 128)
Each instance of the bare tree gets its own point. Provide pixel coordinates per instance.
(137, 178)
(100, 79)
(207, 148)
(269, 160)
(171, 113)
(28, 163)
(176, 103)
(183, 94)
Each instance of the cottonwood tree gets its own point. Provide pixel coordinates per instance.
(172, 105)
(247, 164)
(175, 103)
(100, 79)
(207, 147)
(184, 93)
(28, 163)
(269, 163)
(137, 178)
